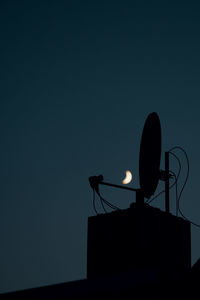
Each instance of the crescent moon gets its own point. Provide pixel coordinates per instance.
(127, 178)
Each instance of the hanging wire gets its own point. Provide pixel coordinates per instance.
(179, 163)
(151, 200)
(103, 202)
(187, 175)
(179, 171)
(107, 202)
(188, 168)
(184, 184)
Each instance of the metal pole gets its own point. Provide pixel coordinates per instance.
(167, 182)
(118, 186)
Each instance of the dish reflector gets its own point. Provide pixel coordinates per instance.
(150, 155)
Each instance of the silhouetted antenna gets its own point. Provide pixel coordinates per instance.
(149, 169)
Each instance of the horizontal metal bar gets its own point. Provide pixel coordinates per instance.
(119, 186)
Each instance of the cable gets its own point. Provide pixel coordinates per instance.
(184, 217)
(101, 200)
(187, 175)
(188, 168)
(179, 163)
(150, 200)
(107, 202)
(186, 179)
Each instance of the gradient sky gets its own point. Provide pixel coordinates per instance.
(78, 79)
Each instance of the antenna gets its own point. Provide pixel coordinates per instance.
(149, 164)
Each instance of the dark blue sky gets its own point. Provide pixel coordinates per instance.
(78, 79)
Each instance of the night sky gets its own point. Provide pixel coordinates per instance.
(78, 79)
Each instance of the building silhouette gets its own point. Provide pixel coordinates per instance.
(132, 253)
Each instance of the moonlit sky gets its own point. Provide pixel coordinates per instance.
(78, 79)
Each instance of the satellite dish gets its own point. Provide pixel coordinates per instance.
(149, 165)
(150, 154)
